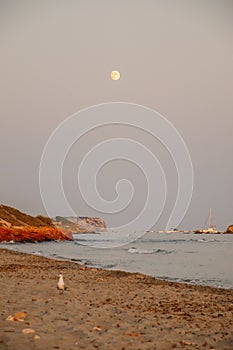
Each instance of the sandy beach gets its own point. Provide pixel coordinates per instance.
(106, 309)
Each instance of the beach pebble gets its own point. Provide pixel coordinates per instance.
(9, 329)
(11, 318)
(133, 334)
(28, 331)
(36, 337)
(185, 342)
(82, 268)
(21, 315)
(96, 328)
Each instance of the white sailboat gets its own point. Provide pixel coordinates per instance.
(211, 228)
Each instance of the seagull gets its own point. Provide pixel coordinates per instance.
(61, 284)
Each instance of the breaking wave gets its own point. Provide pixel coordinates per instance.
(133, 250)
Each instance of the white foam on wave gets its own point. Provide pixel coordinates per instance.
(134, 250)
(138, 251)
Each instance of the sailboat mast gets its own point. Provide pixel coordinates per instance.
(210, 218)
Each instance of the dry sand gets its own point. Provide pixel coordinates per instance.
(106, 309)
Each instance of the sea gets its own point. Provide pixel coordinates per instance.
(200, 259)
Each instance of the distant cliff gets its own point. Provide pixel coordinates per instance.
(80, 224)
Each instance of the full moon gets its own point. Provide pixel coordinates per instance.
(115, 75)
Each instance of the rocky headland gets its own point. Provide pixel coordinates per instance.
(17, 226)
(11, 217)
(80, 224)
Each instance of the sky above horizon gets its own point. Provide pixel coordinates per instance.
(175, 57)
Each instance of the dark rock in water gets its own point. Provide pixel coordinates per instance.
(229, 229)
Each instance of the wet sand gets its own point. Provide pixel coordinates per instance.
(106, 309)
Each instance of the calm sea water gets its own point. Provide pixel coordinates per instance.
(190, 258)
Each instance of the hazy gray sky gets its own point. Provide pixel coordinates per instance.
(174, 56)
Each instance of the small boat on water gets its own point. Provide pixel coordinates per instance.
(173, 230)
(211, 229)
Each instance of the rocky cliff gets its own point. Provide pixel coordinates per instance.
(20, 227)
(80, 224)
(11, 217)
(32, 234)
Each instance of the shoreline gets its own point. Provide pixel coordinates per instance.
(90, 267)
(192, 282)
(78, 262)
(107, 309)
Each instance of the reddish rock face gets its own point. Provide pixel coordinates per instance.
(32, 234)
(20, 227)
